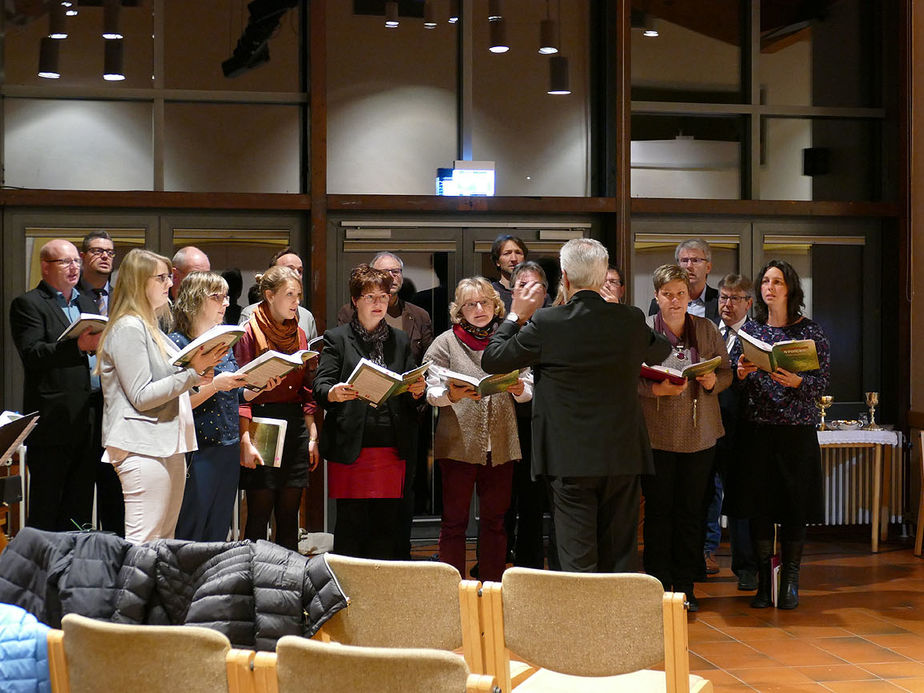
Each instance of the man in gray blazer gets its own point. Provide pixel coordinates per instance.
(64, 447)
(589, 437)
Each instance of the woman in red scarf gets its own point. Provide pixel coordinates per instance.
(476, 437)
(277, 491)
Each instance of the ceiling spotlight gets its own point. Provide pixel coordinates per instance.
(48, 58)
(57, 22)
(559, 82)
(495, 11)
(70, 7)
(113, 61)
(429, 15)
(548, 37)
(498, 33)
(111, 29)
(453, 11)
(391, 14)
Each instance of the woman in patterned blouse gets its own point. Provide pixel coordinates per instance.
(778, 479)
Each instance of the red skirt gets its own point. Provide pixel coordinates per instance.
(376, 473)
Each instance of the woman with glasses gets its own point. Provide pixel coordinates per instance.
(367, 447)
(213, 470)
(779, 478)
(276, 492)
(684, 422)
(476, 437)
(147, 416)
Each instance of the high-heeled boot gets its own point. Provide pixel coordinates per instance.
(763, 550)
(789, 574)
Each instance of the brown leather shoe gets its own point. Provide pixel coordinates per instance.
(712, 565)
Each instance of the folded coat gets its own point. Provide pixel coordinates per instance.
(254, 593)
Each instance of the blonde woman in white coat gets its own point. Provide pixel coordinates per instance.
(147, 417)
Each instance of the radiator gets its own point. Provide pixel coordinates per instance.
(848, 485)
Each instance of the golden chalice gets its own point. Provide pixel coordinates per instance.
(872, 399)
(824, 402)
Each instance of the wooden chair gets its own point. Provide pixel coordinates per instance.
(408, 604)
(565, 625)
(300, 664)
(88, 656)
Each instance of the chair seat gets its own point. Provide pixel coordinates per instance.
(647, 680)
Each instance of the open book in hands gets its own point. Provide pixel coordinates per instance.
(793, 355)
(220, 335)
(679, 377)
(375, 383)
(84, 322)
(273, 364)
(488, 385)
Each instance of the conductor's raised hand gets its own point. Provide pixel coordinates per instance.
(528, 300)
(342, 392)
(745, 367)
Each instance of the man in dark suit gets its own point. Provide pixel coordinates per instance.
(589, 437)
(62, 456)
(695, 256)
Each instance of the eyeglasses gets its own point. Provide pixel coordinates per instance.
(394, 271)
(98, 252)
(691, 260)
(65, 262)
(220, 298)
(162, 278)
(471, 305)
(613, 282)
(375, 298)
(731, 299)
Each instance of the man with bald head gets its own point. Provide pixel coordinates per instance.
(185, 260)
(63, 448)
(287, 258)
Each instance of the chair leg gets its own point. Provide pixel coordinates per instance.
(57, 664)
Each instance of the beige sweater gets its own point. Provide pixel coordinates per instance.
(465, 427)
(670, 418)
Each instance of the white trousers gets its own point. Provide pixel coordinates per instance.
(153, 491)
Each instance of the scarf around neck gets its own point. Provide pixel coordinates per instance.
(689, 335)
(374, 340)
(269, 334)
(475, 338)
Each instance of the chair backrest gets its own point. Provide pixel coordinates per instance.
(104, 656)
(584, 624)
(396, 604)
(308, 664)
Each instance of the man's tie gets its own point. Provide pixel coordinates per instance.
(101, 300)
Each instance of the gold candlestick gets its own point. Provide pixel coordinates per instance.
(872, 399)
(824, 402)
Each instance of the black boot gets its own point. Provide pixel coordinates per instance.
(763, 550)
(789, 574)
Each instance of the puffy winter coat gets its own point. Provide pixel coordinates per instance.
(254, 593)
(23, 652)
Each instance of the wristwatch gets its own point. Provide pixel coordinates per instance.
(513, 316)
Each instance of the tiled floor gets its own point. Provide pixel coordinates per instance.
(859, 626)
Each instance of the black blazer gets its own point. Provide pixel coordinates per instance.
(711, 299)
(342, 434)
(57, 374)
(585, 357)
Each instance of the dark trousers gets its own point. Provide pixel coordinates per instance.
(212, 474)
(368, 527)
(674, 516)
(110, 505)
(596, 522)
(61, 479)
(493, 487)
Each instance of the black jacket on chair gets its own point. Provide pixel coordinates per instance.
(342, 433)
(586, 356)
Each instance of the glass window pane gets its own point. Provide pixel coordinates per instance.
(695, 56)
(820, 54)
(391, 102)
(80, 55)
(540, 143)
(202, 34)
(687, 156)
(232, 148)
(818, 159)
(83, 145)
